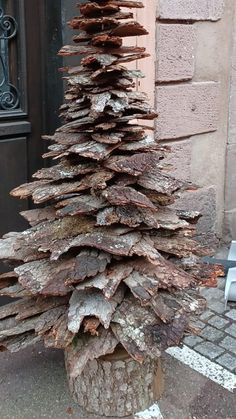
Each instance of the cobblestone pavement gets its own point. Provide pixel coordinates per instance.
(217, 340)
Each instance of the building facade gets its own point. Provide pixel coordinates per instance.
(190, 78)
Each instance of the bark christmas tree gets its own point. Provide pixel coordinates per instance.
(107, 261)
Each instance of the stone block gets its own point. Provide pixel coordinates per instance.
(230, 192)
(175, 52)
(231, 330)
(206, 315)
(219, 322)
(216, 306)
(191, 9)
(212, 334)
(204, 201)
(191, 341)
(229, 344)
(208, 349)
(231, 314)
(187, 109)
(212, 294)
(179, 160)
(227, 361)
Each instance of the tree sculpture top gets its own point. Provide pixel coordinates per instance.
(106, 262)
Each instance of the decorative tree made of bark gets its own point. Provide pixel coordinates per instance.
(106, 264)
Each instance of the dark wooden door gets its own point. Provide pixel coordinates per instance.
(30, 94)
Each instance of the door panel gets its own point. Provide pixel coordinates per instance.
(28, 68)
(13, 171)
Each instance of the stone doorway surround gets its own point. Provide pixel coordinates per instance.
(230, 180)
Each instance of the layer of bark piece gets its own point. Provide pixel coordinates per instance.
(119, 196)
(109, 280)
(46, 277)
(82, 204)
(85, 348)
(91, 303)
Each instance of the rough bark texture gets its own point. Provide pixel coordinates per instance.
(117, 385)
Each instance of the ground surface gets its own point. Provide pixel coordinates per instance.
(33, 386)
(217, 340)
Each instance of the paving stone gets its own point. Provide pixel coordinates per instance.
(216, 306)
(228, 361)
(206, 315)
(231, 330)
(232, 314)
(192, 340)
(212, 334)
(229, 344)
(212, 293)
(218, 322)
(199, 324)
(209, 350)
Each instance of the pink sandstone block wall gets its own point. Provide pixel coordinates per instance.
(191, 100)
(191, 9)
(175, 52)
(187, 109)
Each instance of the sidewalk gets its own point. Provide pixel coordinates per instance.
(33, 386)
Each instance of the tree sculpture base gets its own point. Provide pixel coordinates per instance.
(116, 385)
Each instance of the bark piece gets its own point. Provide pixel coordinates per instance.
(129, 29)
(82, 204)
(15, 291)
(166, 273)
(132, 325)
(93, 9)
(91, 303)
(190, 216)
(73, 50)
(7, 279)
(88, 264)
(26, 190)
(134, 217)
(17, 343)
(44, 194)
(93, 150)
(59, 336)
(108, 281)
(15, 248)
(106, 241)
(85, 348)
(11, 327)
(67, 138)
(156, 180)
(30, 307)
(51, 231)
(134, 165)
(106, 41)
(179, 246)
(46, 277)
(64, 171)
(37, 216)
(118, 195)
(143, 287)
(111, 138)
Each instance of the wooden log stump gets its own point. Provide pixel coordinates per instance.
(116, 385)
